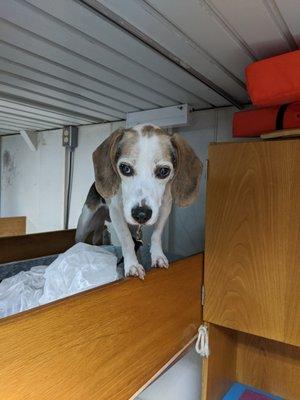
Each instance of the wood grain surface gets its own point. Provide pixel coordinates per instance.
(102, 344)
(12, 226)
(251, 360)
(284, 133)
(219, 369)
(35, 245)
(268, 365)
(252, 254)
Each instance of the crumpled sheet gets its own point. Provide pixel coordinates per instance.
(80, 268)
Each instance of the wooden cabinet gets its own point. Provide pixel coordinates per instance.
(252, 268)
(252, 250)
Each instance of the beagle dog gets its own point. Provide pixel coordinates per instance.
(138, 173)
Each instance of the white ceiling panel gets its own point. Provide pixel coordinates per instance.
(74, 86)
(121, 45)
(197, 22)
(182, 88)
(25, 122)
(15, 116)
(161, 30)
(49, 53)
(290, 11)
(38, 112)
(253, 23)
(83, 61)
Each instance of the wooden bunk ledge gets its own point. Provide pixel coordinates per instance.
(106, 343)
(35, 245)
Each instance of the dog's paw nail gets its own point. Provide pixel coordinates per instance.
(136, 270)
(160, 262)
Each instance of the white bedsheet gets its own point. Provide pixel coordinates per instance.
(80, 268)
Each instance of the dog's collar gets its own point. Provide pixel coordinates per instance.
(139, 233)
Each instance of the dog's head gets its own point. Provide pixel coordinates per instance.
(142, 162)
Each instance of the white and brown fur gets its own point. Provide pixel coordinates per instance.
(146, 149)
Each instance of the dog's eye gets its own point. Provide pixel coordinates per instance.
(126, 169)
(162, 172)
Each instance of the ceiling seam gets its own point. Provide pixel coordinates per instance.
(48, 107)
(42, 110)
(196, 46)
(6, 118)
(59, 90)
(128, 27)
(89, 77)
(88, 60)
(55, 98)
(280, 23)
(111, 49)
(11, 117)
(51, 121)
(71, 83)
(23, 117)
(222, 21)
(4, 123)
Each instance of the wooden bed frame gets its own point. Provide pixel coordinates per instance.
(12, 226)
(106, 343)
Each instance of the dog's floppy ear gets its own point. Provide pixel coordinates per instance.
(188, 170)
(107, 179)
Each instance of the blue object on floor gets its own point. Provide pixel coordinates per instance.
(238, 391)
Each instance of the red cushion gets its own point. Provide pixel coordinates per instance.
(275, 80)
(254, 122)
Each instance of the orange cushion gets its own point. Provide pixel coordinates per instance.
(254, 122)
(275, 80)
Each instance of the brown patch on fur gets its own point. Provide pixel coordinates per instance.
(128, 141)
(107, 179)
(94, 199)
(185, 184)
(150, 130)
(166, 147)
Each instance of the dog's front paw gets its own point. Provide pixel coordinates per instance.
(159, 261)
(135, 270)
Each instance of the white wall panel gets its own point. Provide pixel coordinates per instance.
(32, 182)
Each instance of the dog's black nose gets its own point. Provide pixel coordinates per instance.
(141, 214)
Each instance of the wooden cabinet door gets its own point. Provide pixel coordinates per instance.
(252, 250)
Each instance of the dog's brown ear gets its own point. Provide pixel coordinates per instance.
(107, 179)
(188, 170)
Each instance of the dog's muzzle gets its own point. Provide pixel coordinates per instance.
(141, 214)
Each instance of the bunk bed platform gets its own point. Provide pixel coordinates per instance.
(106, 343)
